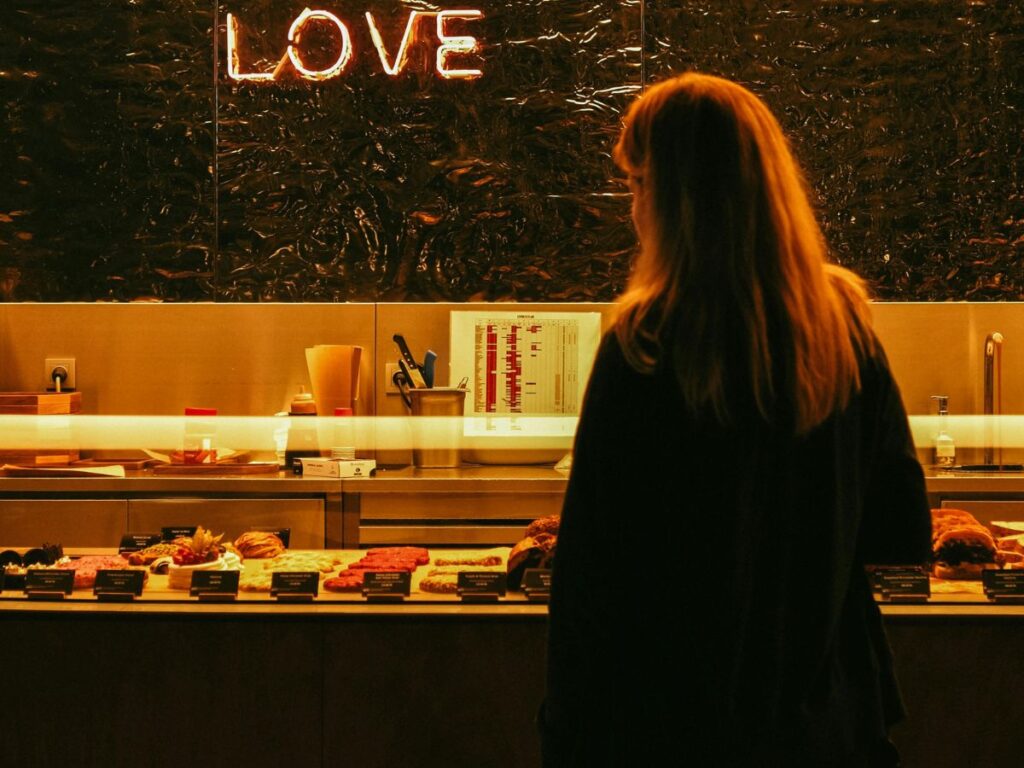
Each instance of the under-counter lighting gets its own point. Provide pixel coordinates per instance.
(970, 431)
(84, 432)
(261, 433)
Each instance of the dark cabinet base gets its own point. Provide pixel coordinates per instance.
(131, 689)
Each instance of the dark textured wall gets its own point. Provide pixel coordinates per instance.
(132, 168)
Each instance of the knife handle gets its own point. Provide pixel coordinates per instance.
(428, 367)
(410, 367)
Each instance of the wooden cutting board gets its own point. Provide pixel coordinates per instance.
(39, 458)
(251, 468)
(29, 403)
(126, 463)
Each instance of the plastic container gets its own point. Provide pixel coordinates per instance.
(200, 436)
(302, 435)
(343, 444)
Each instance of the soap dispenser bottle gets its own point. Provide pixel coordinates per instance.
(945, 448)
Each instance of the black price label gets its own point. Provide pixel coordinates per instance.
(1002, 584)
(295, 585)
(537, 584)
(284, 534)
(121, 581)
(386, 585)
(133, 542)
(214, 583)
(902, 583)
(170, 533)
(46, 581)
(481, 585)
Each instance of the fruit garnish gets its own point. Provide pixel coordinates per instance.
(201, 547)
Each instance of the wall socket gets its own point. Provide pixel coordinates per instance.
(56, 364)
(390, 369)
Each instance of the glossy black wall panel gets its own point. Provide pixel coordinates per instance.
(106, 150)
(418, 187)
(908, 116)
(133, 167)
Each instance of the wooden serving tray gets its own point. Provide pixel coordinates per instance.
(251, 468)
(29, 403)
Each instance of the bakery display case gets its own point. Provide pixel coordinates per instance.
(368, 677)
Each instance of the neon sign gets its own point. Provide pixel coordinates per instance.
(449, 46)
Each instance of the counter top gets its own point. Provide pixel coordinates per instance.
(939, 481)
(467, 479)
(144, 481)
(489, 479)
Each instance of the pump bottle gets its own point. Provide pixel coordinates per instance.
(944, 452)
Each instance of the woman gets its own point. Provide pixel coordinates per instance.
(742, 453)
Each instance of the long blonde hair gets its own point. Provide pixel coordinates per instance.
(731, 286)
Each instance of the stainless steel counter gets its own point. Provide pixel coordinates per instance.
(973, 482)
(147, 483)
(468, 479)
(471, 505)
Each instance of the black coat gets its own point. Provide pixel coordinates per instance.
(709, 605)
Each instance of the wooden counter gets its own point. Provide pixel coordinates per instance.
(441, 684)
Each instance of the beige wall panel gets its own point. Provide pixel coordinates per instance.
(938, 349)
(305, 517)
(70, 523)
(247, 359)
(243, 359)
(518, 506)
(440, 535)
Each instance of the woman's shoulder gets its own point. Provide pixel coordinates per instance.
(611, 358)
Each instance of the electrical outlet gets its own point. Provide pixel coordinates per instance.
(55, 364)
(390, 369)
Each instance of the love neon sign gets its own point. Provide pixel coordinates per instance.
(449, 46)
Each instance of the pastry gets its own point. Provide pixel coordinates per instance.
(445, 579)
(255, 581)
(85, 568)
(532, 552)
(1008, 527)
(1011, 543)
(470, 558)
(148, 555)
(543, 525)
(303, 561)
(440, 583)
(180, 576)
(201, 547)
(259, 545)
(420, 555)
(346, 581)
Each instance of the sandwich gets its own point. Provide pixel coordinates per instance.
(961, 546)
